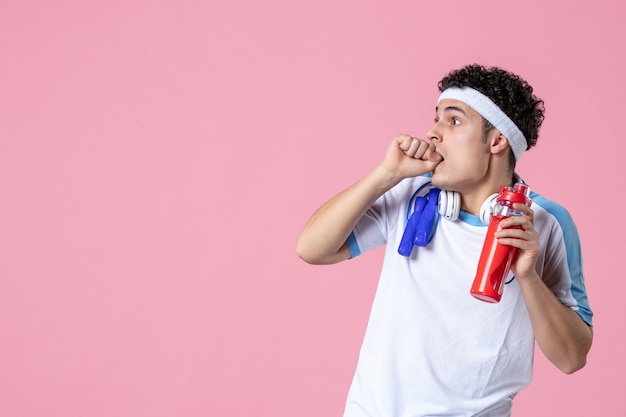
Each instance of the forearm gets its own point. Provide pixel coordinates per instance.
(323, 238)
(563, 337)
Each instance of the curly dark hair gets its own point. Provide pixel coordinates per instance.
(510, 92)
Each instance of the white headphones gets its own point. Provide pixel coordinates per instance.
(427, 201)
(449, 203)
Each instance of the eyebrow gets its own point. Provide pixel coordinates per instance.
(452, 108)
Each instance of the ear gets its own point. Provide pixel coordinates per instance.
(498, 142)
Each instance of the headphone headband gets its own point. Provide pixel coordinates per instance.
(430, 203)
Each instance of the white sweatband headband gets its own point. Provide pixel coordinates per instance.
(492, 113)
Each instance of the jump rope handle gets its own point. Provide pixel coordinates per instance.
(421, 225)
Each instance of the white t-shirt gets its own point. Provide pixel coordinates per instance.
(431, 349)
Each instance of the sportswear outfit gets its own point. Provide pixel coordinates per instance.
(430, 348)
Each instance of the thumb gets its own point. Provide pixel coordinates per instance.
(431, 154)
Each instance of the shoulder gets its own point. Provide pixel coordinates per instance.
(554, 221)
(556, 211)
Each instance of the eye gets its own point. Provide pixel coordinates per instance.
(454, 121)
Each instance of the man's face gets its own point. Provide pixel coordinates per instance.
(458, 136)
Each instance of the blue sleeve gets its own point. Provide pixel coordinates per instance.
(353, 246)
(573, 250)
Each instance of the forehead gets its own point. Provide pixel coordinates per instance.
(448, 105)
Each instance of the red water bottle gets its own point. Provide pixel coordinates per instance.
(496, 259)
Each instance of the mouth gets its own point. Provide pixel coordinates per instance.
(438, 150)
(440, 162)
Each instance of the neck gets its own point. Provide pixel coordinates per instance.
(472, 200)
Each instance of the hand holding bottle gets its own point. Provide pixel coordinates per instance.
(519, 232)
(497, 256)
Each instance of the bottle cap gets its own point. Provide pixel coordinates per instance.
(513, 195)
(522, 188)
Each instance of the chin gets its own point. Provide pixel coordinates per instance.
(437, 180)
(441, 182)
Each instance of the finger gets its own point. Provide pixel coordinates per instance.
(527, 211)
(526, 221)
(527, 247)
(431, 154)
(518, 237)
(415, 144)
(511, 234)
(404, 141)
(422, 148)
(524, 244)
(517, 229)
(523, 208)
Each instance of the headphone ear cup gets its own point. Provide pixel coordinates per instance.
(449, 204)
(487, 208)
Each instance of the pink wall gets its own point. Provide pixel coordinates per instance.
(158, 159)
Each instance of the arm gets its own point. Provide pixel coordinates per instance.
(560, 332)
(323, 239)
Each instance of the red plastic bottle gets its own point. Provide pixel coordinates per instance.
(496, 259)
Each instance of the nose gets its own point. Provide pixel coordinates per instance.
(433, 133)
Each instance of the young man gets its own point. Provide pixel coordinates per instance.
(431, 349)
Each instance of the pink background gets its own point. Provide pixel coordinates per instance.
(158, 159)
